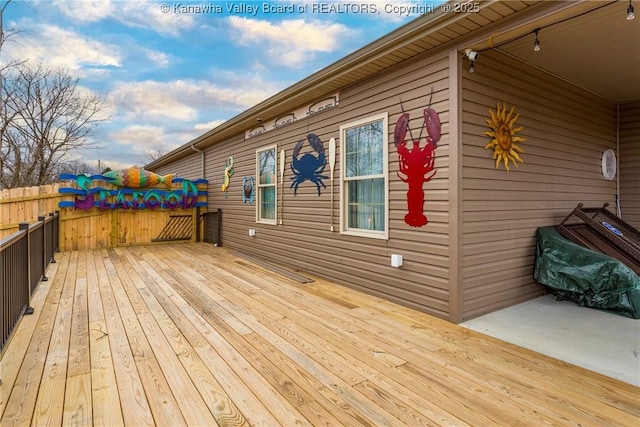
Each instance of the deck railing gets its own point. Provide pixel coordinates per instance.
(24, 257)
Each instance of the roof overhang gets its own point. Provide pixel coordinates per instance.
(494, 23)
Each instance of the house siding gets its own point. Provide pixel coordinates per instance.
(189, 167)
(629, 163)
(566, 130)
(304, 241)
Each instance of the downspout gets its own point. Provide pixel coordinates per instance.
(202, 171)
(618, 161)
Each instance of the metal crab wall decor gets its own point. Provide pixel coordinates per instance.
(247, 189)
(416, 165)
(308, 167)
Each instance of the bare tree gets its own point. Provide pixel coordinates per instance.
(4, 36)
(46, 117)
(154, 154)
(76, 167)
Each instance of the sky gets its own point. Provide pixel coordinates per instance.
(170, 71)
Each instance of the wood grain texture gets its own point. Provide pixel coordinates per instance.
(190, 334)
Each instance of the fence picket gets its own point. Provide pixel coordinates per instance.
(90, 229)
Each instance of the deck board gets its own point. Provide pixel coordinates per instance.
(105, 397)
(134, 404)
(189, 334)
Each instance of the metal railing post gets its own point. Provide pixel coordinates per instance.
(54, 230)
(25, 226)
(219, 237)
(55, 235)
(44, 278)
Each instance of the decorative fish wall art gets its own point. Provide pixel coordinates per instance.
(137, 178)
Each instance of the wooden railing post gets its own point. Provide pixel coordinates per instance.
(25, 226)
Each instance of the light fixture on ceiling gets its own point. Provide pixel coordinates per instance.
(472, 56)
(536, 43)
(630, 14)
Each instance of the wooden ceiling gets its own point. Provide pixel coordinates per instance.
(592, 45)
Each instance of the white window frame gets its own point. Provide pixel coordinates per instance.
(344, 196)
(258, 185)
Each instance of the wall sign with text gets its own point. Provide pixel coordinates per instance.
(135, 189)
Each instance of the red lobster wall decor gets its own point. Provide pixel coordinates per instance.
(416, 165)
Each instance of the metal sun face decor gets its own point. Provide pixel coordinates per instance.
(416, 164)
(308, 167)
(502, 134)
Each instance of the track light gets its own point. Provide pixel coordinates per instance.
(630, 14)
(536, 43)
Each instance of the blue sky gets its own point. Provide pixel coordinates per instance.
(171, 71)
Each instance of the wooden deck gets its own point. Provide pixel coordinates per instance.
(190, 335)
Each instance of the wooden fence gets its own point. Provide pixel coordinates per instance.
(90, 229)
(26, 205)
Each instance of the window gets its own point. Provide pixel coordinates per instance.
(267, 181)
(364, 182)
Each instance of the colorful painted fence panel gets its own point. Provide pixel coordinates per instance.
(93, 228)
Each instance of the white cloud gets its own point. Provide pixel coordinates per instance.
(180, 100)
(86, 10)
(139, 144)
(160, 59)
(105, 113)
(166, 113)
(139, 138)
(290, 42)
(140, 14)
(233, 94)
(150, 100)
(206, 127)
(150, 15)
(58, 47)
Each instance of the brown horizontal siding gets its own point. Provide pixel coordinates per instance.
(187, 168)
(304, 241)
(566, 130)
(508, 296)
(630, 163)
